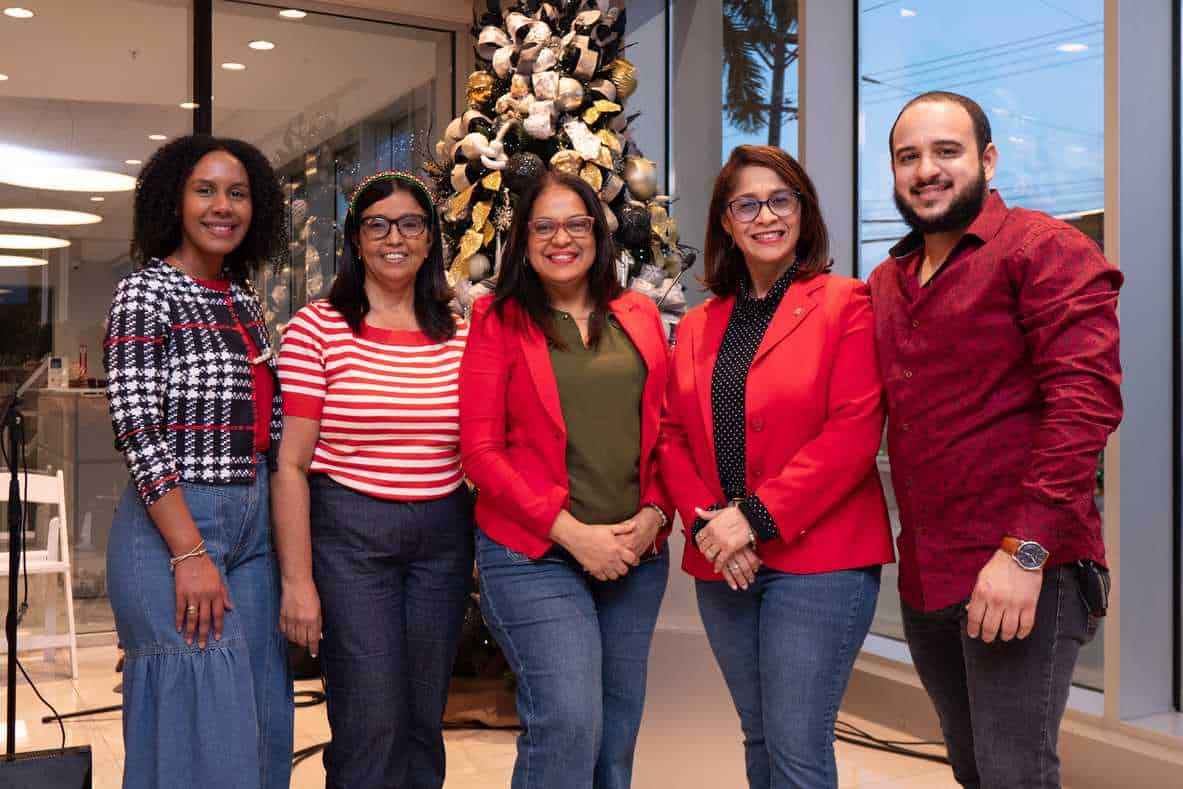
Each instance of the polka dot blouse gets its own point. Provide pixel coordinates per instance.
(745, 329)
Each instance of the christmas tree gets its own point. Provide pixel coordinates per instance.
(549, 92)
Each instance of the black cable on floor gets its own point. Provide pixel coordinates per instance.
(58, 717)
(849, 733)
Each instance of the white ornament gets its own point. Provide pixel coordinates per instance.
(585, 142)
(546, 85)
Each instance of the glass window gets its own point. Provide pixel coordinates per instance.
(330, 100)
(1037, 71)
(759, 74)
(108, 95)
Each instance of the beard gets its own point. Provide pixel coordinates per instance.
(964, 208)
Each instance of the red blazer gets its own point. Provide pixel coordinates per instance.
(814, 423)
(513, 441)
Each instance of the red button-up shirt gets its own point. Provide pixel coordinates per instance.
(1003, 383)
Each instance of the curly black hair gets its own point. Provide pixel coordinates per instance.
(156, 228)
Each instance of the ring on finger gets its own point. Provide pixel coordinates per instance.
(191, 609)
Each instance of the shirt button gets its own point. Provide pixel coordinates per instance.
(907, 373)
(757, 423)
(905, 427)
(915, 324)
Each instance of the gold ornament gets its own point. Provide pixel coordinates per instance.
(480, 213)
(492, 181)
(566, 162)
(591, 115)
(592, 175)
(624, 77)
(470, 242)
(458, 204)
(598, 108)
(487, 233)
(479, 89)
(641, 177)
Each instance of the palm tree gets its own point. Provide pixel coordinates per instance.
(759, 36)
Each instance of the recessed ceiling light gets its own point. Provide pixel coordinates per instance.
(97, 199)
(16, 12)
(189, 105)
(3, 77)
(132, 161)
(234, 67)
(293, 13)
(66, 179)
(158, 137)
(47, 216)
(261, 45)
(907, 12)
(17, 241)
(1072, 47)
(21, 261)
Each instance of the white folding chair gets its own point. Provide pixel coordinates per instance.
(53, 561)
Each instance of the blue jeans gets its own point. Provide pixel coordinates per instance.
(580, 651)
(215, 717)
(393, 579)
(786, 647)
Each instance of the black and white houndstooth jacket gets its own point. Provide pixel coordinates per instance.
(180, 384)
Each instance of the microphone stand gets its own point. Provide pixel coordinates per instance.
(13, 425)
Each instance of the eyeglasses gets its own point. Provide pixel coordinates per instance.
(376, 228)
(746, 209)
(576, 226)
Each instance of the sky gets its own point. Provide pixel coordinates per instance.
(1035, 67)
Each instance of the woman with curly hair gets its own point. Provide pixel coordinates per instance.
(373, 521)
(207, 699)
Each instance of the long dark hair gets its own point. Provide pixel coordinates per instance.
(432, 293)
(518, 282)
(156, 226)
(724, 269)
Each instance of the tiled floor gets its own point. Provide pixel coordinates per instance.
(689, 739)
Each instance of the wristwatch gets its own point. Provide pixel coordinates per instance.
(1027, 554)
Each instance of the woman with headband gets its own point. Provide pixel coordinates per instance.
(373, 522)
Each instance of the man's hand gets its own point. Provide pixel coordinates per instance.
(1003, 600)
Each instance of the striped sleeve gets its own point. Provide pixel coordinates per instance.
(301, 364)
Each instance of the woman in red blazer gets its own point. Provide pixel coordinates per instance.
(560, 404)
(772, 420)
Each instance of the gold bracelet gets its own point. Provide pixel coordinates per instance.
(665, 521)
(198, 550)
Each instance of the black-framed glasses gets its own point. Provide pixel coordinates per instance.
(783, 203)
(576, 226)
(377, 227)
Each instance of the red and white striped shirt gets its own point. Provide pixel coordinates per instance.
(387, 401)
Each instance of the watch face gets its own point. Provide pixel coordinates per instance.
(1031, 555)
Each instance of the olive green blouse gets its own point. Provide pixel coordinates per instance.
(600, 395)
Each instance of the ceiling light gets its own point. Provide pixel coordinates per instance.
(234, 67)
(66, 179)
(906, 12)
(1072, 47)
(189, 105)
(16, 241)
(132, 161)
(4, 291)
(47, 216)
(16, 12)
(293, 13)
(20, 261)
(157, 137)
(261, 45)
(3, 77)
(97, 199)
